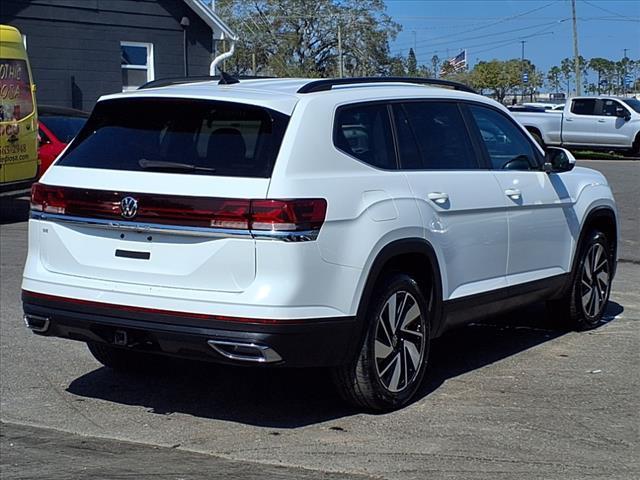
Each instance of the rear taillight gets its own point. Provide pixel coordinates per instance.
(45, 198)
(288, 215)
(295, 215)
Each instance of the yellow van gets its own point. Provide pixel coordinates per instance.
(18, 116)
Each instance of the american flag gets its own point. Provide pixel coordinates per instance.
(459, 62)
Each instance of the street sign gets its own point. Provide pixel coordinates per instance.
(525, 77)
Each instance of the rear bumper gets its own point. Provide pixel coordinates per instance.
(294, 343)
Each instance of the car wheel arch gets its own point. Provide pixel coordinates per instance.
(388, 259)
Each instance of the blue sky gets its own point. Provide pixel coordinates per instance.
(491, 29)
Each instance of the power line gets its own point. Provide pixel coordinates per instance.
(604, 9)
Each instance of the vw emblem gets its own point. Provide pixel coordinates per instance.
(128, 207)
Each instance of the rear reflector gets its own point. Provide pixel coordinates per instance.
(225, 213)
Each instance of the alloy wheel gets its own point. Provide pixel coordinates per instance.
(595, 281)
(400, 341)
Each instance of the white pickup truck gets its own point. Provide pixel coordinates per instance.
(599, 123)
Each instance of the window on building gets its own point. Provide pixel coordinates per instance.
(136, 60)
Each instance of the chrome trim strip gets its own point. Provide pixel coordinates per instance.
(283, 236)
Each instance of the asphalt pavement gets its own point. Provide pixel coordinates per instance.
(511, 398)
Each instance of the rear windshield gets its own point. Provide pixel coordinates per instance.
(198, 137)
(64, 128)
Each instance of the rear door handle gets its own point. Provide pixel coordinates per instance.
(438, 197)
(602, 120)
(568, 120)
(513, 193)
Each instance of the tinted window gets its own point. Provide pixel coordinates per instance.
(64, 128)
(583, 106)
(609, 108)
(508, 147)
(433, 136)
(633, 103)
(201, 137)
(364, 131)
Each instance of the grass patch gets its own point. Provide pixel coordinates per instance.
(590, 155)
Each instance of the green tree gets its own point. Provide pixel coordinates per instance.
(300, 37)
(435, 63)
(499, 77)
(603, 68)
(412, 63)
(553, 78)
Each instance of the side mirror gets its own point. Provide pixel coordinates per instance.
(557, 160)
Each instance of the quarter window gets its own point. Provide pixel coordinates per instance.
(364, 132)
(507, 146)
(136, 60)
(583, 106)
(433, 136)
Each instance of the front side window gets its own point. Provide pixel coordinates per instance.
(364, 132)
(506, 144)
(196, 137)
(136, 61)
(433, 136)
(583, 106)
(609, 108)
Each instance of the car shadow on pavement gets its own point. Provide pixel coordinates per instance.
(291, 398)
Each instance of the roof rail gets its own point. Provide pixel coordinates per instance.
(228, 79)
(328, 83)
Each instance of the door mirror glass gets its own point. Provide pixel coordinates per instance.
(558, 160)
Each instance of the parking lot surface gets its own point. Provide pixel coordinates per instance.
(513, 397)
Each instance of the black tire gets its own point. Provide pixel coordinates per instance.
(123, 360)
(585, 302)
(379, 382)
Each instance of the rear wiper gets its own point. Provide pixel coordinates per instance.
(164, 165)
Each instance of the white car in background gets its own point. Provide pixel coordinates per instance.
(342, 223)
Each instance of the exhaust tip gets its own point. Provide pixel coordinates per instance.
(37, 323)
(245, 352)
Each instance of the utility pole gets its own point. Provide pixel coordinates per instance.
(576, 55)
(624, 78)
(522, 69)
(340, 67)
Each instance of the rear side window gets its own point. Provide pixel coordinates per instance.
(433, 136)
(364, 132)
(179, 136)
(584, 106)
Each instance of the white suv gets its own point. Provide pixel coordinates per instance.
(340, 223)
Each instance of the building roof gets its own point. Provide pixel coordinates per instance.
(220, 29)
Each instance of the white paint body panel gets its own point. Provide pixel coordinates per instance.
(482, 241)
